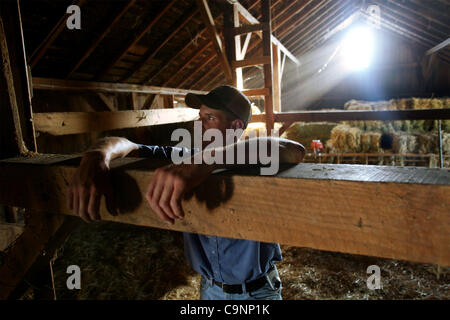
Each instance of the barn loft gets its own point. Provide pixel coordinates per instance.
(363, 85)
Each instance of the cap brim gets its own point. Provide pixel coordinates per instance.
(193, 100)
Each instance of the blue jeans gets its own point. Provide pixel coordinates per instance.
(210, 291)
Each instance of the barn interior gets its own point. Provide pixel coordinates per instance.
(363, 85)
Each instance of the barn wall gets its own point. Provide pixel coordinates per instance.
(399, 69)
(60, 101)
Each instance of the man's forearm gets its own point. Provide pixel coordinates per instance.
(111, 148)
(253, 151)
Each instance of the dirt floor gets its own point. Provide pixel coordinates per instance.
(120, 261)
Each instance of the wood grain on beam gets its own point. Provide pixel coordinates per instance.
(74, 85)
(62, 123)
(391, 212)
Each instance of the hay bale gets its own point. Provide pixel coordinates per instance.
(428, 143)
(370, 141)
(400, 143)
(446, 143)
(412, 143)
(304, 133)
(357, 105)
(257, 129)
(345, 139)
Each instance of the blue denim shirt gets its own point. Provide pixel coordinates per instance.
(231, 261)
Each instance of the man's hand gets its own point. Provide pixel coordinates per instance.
(89, 183)
(168, 186)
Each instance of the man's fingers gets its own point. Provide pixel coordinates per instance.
(153, 195)
(83, 198)
(164, 201)
(175, 201)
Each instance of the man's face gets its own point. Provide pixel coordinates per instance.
(214, 119)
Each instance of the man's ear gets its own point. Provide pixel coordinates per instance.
(237, 124)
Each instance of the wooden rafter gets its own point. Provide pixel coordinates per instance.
(425, 24)
(251, 19)
(176, 28)
(438, 47)
(196, 54)
(136, 39)
(327, 31)
(249, 48)
(179, 53)
(304, 12)
(51, 37)
(393, 224)
(208, 59)
(97, 41)
(215, 38)
(339, 22)
(316, 21)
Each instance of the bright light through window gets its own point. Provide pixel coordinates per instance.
(357, 48)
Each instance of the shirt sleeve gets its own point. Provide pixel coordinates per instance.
(163, 152)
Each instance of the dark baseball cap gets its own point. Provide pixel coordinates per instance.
(225, 98)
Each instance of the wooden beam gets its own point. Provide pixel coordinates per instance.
(248, 28)
(215, 38)
(62, 123)
(391, 212)
(136, 39)
(97, 41)
(335, 116)
(256, 92)
(438, 47)
(74, 85)
(109, 103)
(251, 19)
(51, 37)
(252, 62)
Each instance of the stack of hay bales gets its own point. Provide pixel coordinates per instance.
(409, 136)
(305, 132)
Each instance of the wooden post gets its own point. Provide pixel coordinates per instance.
(267, 52)
(276, 78)
(17, 138)
(215, 38)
